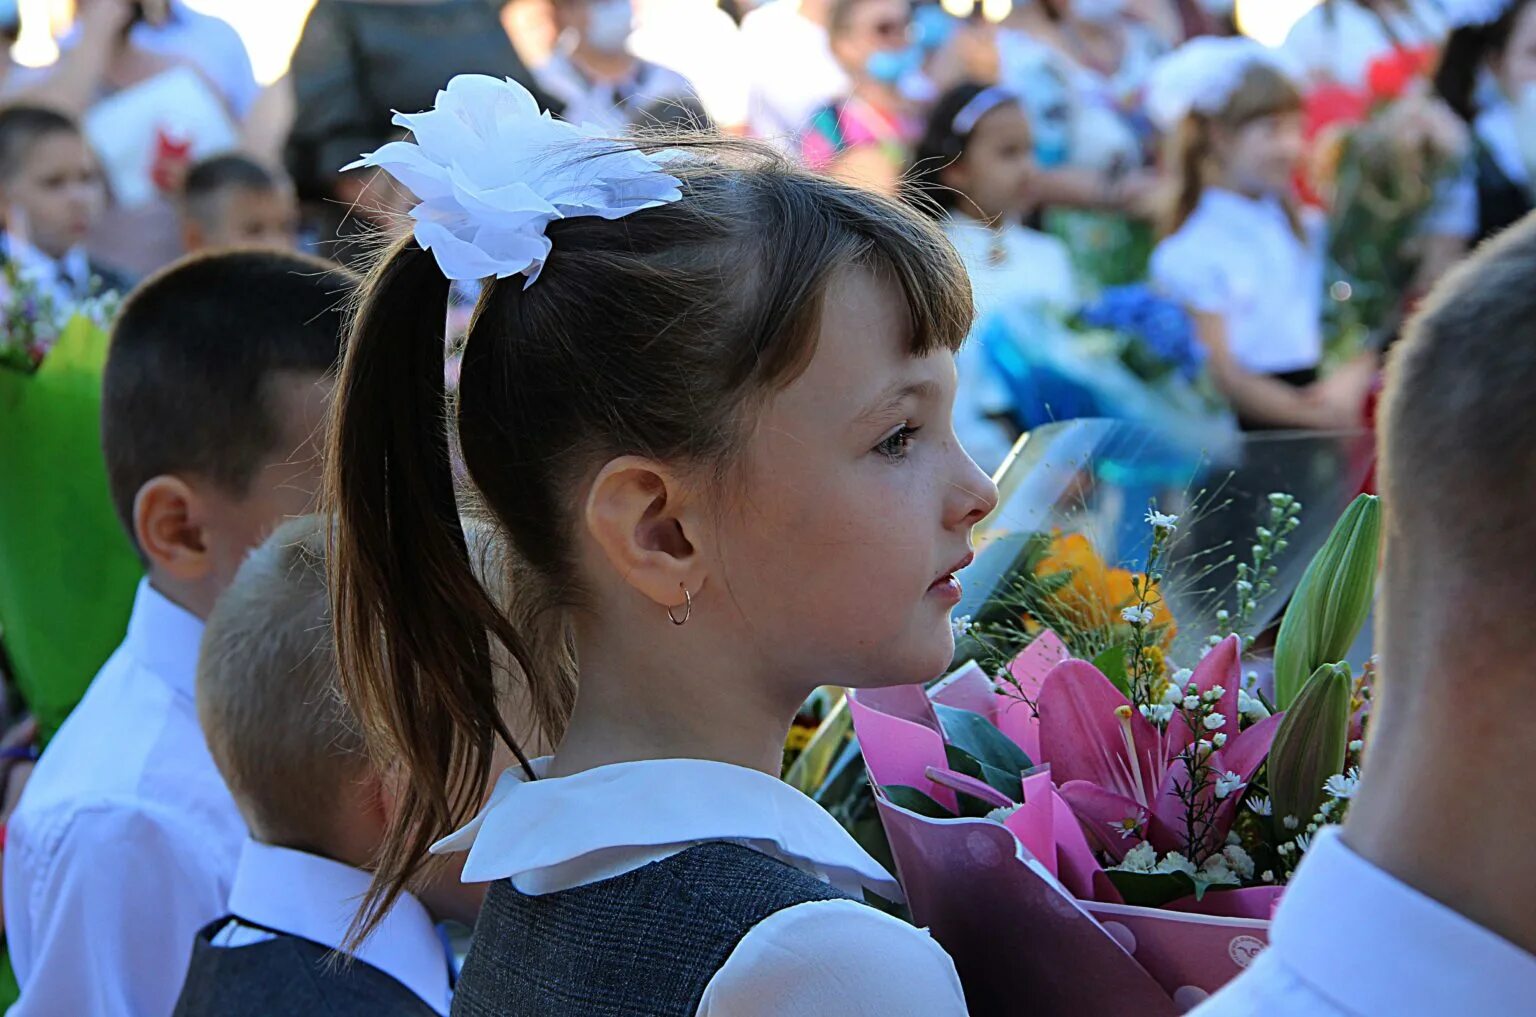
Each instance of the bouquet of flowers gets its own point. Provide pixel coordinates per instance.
(1383, 153)
(1120, 814)
(1157, 338)
(59, 533)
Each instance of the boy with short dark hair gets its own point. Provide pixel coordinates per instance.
(125, 841)
(232, 200)
(268, 695)
(51, 193)
(1425, 901)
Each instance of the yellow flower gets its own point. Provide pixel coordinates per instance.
(1096, 594)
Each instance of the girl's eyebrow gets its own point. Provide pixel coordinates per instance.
(894, 397)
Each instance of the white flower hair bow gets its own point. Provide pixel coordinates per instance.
(491, 171)
(1201, 75)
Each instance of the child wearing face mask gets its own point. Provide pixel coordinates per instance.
(1239, 252)
(866, 137)
(708, 400)
(596, 77)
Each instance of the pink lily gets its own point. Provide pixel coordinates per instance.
(1115, 766)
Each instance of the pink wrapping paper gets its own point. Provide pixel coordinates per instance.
(1013, 903)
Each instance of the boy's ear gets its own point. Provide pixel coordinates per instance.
(168, 523)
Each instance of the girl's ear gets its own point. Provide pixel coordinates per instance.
(647, 524)
(955, 175)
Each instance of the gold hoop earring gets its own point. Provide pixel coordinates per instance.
(687, 608)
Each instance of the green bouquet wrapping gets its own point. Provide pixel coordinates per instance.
(67, 570)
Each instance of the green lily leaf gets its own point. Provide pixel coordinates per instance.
(962, 761)
(976, 735)
(1150, 889)
(1113, 662)
(913, 800)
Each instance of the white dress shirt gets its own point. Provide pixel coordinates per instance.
(1238, 258)
(316, 898)
(612, 106)
(837, 958)
(125, 840)
(1351, 940)
(791, 70)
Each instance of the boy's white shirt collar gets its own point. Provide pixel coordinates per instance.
(164, 637)
(315, 898)
(1375, 945)
(44, 268)
(554, 833)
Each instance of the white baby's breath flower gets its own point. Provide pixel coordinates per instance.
(1191, 702)
(1228, 783)
(1158, 713)
(1343, 785)
(1291, 823)
(1162, 520)
(1238, 860)
(1214, 721)
(1219, 739)
(1174, 693)
(1135, 615)
(1251, 706)
(491, 171)
(960, 625)
(1357, 746)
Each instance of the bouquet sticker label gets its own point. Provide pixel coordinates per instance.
(1244, 949)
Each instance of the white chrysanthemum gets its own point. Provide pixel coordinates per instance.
(491, 171)
(1343, 785)
(960, 626)
(1175, 862)
(1001, 815)
(1141, 858)
(1238, 860)
(1261, 806)
(1162, 520)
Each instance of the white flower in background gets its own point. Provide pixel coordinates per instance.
(1343, 785)
(1291, 823)
(1357, 746)
(1162, 520)
(1174, 694)
(1141, 858)
(1228, 783)
(1215, 870)
(1304, 843)
(1191, 702)
(1219, 739)
(1158, 713)
(1001, 815)
(1251, 706)
(1238, 860)
(1261, 806)
(1135, 615)
(491, 171)
(1128, 827)
(1213, 721)
(1175, 862)
(960, 626)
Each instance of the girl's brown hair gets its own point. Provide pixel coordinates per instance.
(1263, 92)
(652, 335)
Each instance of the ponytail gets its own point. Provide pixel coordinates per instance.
(411, 618)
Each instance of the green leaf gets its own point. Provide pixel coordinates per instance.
(975, 734)
(913, 800)
(962, 761)
(1112, 662)
(1332, 601)
(1310, 745)
(1150, 889)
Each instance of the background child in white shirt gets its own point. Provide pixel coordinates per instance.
(122, 847)
(976, 161)
(717, 427)
(293, 758)
(51, 194)
(1248, 262)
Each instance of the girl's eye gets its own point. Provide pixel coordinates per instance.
(896, 444)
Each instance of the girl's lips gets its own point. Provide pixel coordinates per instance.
(947, 583)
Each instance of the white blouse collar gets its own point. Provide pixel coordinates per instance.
(642, 806)
(1232, 207)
